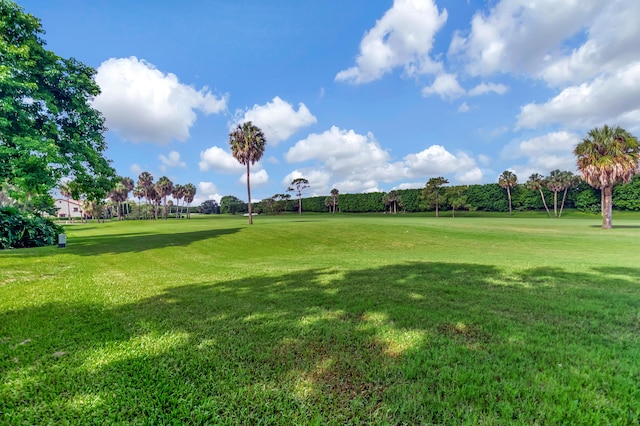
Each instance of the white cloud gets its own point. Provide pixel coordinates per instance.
(172, 160)
(135, 169)
(543, 153)
(206, 191)
(608, 99)
(258, 177)
(220, 160)
(463, 107)
(143, 104)
(319, 181)
(437, 161)
(520, 35)
(446, 86)
(277, 119)
(403, 37)
(484, 88)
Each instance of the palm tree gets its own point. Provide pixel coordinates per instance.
(508, 180)
(189, 195)
(247, 144)
(431, 191)
(536, 183)
(138, 192)
(298, 185)
(145, 180)
(335, 194)
(605, 157)
(178, 194)
(164, 188)
(570, 180)
(556, 183)
(392, 199)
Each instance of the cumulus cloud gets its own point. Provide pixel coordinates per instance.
(258, 177)
(543, 153)
(357, 163)
(484, 88)
(607, 99)
(172, 160)
(206, 191)
(403, 37)
(277, 119)
(319, 181)
(463, 107)
(446, 86)
(219, 160)
(144, 104)
(437, 161)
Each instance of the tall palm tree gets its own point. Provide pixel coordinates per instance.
(508, 180)
(178, 194)
(556, 183)
(164, 188)
(536, 183)
(569, 180)
(189, 195)
(605, 157)
(138, 192)
(247, 144)
(145, 180)
(335, 194)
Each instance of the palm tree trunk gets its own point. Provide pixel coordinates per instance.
(564, 197)
(509, 196)
(544, 202)
(607, 193)
(437, 214)
(555, 203)
(249, 196)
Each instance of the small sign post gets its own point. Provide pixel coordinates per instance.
(62, 240)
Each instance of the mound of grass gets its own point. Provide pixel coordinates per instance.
(321, 319)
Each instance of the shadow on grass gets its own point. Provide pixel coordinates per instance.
(409, 343)
(133, 242)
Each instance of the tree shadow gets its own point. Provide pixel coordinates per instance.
(406, 343)
(133, 242)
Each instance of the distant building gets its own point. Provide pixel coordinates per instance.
(68, 207)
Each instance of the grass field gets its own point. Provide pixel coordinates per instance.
(321, 319)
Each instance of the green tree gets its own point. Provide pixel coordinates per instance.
(138, 193)
(536, 183)
(164, 188)
(605, 157)
(432, 191)
(145, 181)
(232, 205)
(569, 180)
(335, 196)
(178, 194)
(392, 200)
(456, 196)
(48, 130)
(189, 194)
(508, 180)
(247, 144)
(209, 207)
(298, 185)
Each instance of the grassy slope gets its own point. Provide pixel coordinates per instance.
(327, 319)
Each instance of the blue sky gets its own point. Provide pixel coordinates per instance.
(360, 95)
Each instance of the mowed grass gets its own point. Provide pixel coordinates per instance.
(321, 319)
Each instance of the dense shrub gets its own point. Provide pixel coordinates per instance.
(19, 229)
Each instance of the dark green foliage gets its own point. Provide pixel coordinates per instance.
(232, 205)
(627, 196)
(588, 199)
(20, 229)
(489, 198)
(362, 203)
(314, 204)
(48, 129)
(410, 200)
(209, 207)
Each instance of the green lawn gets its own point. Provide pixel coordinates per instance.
(321, 319)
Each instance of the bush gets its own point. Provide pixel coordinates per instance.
(19, 229)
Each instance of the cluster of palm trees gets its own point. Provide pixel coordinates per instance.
(156, 193)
